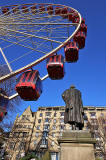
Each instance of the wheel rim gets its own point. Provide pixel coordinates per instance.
(17, 25)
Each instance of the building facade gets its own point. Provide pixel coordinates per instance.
(39, 131)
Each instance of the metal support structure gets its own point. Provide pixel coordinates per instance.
(39, 24)
(42, 58)
(31, 35)
(10, 69)
(61, 44)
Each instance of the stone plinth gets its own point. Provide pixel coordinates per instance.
(76, 145)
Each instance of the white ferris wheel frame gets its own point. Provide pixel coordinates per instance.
(16, 72)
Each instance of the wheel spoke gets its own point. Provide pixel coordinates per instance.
(40, 32)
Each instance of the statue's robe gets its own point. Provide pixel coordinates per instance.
(74, 107)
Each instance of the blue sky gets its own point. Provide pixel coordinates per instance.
(89, 73)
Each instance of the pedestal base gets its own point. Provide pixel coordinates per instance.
(76, 145)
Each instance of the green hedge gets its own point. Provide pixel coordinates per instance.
(29, 156)
(32, 155)
(99, 159)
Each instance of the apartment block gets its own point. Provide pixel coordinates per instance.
(39, 131)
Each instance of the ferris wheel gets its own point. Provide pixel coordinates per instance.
(33, 33)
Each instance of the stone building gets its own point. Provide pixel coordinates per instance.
(39, 131)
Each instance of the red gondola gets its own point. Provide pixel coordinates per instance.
(50, 9)
(72, 11)
(15, 10)
(70, 14)
(41, 8)
(83, 28)
(80, 39)
(83, 20)
(55, 67)
(3, 104)
(57, 11)
(5, 11)
(34, 9)
(64, 12)
(74, 17)
(71, 52)
(25, 9)
(77, 20)
(29, 85)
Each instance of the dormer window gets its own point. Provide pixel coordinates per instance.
(93, 114)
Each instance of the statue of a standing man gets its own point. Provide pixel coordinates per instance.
(74, 108)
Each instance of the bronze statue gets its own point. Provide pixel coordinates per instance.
(74, 108)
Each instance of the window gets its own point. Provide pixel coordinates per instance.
(46, 127)
(19, 126)
(47, 120)
(40, 115)
(29, 126)
(52, 144)
(61, 113)
(16, 134)
(61, 127)
(22, 145)
(62, 120)
(39, 120)
(54, 120)
(98, 145)
(11, 145)
(61, 134)
(54, 155)
(24, 126)
(37, 134)
(25, 117)
(45, 134)
(17, 156)
(92, 121)
(54, 127)
(97, 137)
(53, 135)
(93, 114)
(100, 155)
(87, 128)
(104, 121)
(48, 114)
(24, 134)
(85, 121)
(21, 134)
(85, 117)
(44, 141)
(70, 127)
(95, 127)
(55, 114)
(38, 127)
(102, 114)
(35, 142)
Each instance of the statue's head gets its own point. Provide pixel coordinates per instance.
(72, 87)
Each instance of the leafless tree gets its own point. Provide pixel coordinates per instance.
(102, 133)
(8, 86)
(98, 131)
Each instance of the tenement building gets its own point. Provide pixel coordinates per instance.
(39, 131)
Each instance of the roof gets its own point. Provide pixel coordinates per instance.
(63, 107)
